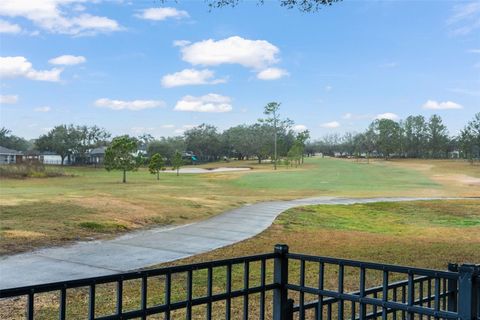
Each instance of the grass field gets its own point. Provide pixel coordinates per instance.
(94, 203)
(420, 233)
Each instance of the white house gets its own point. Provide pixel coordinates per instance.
(50, 158)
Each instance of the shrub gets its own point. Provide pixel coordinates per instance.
(29, 170)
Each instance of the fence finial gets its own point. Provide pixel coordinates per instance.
(281, 248)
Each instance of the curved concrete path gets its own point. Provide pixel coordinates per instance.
(141, 249)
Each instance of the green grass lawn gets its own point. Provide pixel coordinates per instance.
(93, 203)
(427, 234)
(339, 177)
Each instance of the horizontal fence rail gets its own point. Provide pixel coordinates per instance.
(278, 285)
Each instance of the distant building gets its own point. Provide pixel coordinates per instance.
(46, 157)
(97, 155)
(50, 158)
(9, 156)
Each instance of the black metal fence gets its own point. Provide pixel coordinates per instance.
(278, 285)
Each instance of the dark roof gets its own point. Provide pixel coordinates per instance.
(99, 150)
(4, 150)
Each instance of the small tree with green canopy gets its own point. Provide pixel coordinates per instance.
(120, 155)
(177, 162)
(156, 165)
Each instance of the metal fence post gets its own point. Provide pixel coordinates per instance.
(452, 288)
(280, 277)
(468, 288)
(289, 311)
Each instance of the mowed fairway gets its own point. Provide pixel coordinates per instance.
(93, 203)
(419, 233)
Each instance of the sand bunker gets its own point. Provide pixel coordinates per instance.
(458, 178)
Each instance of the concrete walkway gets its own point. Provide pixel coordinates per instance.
(145, 248)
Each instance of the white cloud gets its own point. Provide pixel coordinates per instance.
(299, 128)
(42, 109)
(167, 126)
(208, 103)
(328, 88)
(8, 99)
(190, 77)
(181, 43)
(473, 51)
(465, 18)
(330, 125)
(67, 60)
(272, 74)
(14, 67)
(256, 54)
(435, 105)
(387, 115)
(7, 27)
(160, 14)
(58, 16)
(134, 105)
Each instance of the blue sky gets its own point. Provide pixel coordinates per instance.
(160, 68)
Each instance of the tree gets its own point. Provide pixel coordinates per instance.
(177, 161)
(415, 136)
(302, 138)
(262, 143)
(156, 165)
(437, 137)
(204, 141)
(348, 143)
(144, 140)
(120, 155)
(469, 139)
(11, 141)
(70, 140)
(370, 142)
(61, 139)
(239, 141)
(87, 138)
(302, 5)
(166, 147)
(271, 109)
(388, 136)
(295, 153)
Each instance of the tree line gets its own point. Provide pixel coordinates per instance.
(271, 138)
(414, 137)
